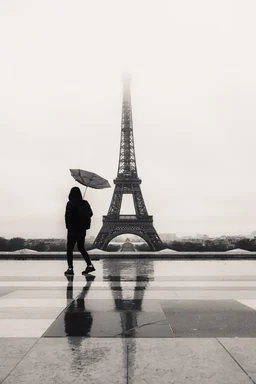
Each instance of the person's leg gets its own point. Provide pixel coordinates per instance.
(81, 248)
(71, 241)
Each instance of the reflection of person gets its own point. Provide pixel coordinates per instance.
(77, 218)
(78, 321)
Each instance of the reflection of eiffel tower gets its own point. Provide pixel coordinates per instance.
(127, 182)
(128, 307)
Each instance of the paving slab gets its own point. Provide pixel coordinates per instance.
(25, 303)
(29, 313)
(24, 327)
(210, 318)
(243, 350)
(72, 361)
(12, 350)
(39, 294)
(182, 361)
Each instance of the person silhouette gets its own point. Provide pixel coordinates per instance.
(77, 219)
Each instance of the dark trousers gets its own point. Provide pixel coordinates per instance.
(76, 236)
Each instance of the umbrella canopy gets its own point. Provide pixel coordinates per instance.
(89, 179)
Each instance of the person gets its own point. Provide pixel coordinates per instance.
(77, 219)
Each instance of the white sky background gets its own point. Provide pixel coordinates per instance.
(193, 96)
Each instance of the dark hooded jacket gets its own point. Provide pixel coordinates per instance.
(78, 211)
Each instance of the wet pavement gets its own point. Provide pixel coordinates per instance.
(131, 321)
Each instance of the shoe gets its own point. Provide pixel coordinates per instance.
(69, 271)
(89, 278)
(70, 279)
(88, 269)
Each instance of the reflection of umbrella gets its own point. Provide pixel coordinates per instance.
(89, 179)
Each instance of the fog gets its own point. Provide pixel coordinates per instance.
(193, 97)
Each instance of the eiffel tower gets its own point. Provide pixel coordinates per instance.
(127, 182)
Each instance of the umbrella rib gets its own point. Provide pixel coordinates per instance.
(91, 179)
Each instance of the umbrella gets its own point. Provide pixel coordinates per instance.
(89, 179)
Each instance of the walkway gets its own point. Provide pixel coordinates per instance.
(136, 322)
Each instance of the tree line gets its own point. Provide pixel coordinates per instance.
(40, 245)
(209, 245)
(192, 245)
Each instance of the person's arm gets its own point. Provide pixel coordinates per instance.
(89, 209)
(68, 214)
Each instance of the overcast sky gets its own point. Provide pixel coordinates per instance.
(193, 96)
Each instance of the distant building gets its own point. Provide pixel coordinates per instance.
(122, 239)
(51, 241)
(168, 236)
(127, 247)
(202, 237)
(118, 239)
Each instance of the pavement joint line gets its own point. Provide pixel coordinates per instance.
(139, 326)
(232, 357)
(127, 363)
(8, 374)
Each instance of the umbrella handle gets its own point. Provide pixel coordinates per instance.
(85, 191)
(87, 185)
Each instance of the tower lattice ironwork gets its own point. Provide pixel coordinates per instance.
(127, 182)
